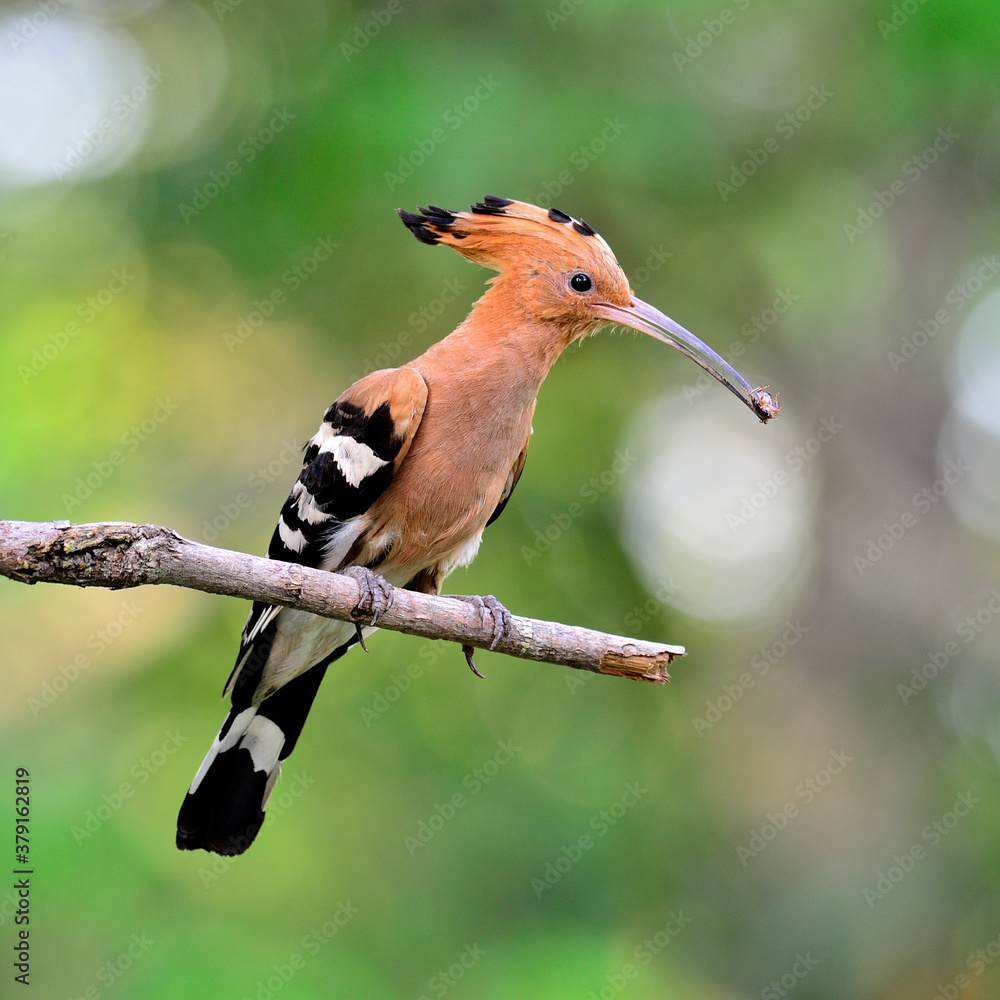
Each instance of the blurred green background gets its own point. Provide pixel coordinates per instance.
(199, 252)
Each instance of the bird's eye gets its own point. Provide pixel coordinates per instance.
(580, 282)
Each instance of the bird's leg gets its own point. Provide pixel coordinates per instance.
(375, 597)
(489, 608)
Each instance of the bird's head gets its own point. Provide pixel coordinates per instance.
(567, 275)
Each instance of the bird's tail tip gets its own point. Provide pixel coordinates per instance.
(225, 813)
(223, 810)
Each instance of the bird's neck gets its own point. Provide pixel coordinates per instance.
(502, 331)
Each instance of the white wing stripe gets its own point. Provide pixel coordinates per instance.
(356, 460)
(308, 511)
(294, 540)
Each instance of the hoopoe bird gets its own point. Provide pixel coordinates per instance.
(409, 466)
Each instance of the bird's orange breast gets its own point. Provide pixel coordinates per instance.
(473, 429)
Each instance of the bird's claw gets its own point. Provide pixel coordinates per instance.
(375, 597)
(472, 663)
(361, 636)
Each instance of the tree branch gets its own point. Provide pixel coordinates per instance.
(119, 554)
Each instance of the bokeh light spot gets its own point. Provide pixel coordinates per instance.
(720, 507)
(74, 99)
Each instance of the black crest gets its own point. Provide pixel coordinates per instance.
(491, 205)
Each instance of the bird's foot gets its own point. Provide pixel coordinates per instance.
(374, 600)
(489, 608)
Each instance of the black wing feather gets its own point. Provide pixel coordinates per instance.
(318, 506)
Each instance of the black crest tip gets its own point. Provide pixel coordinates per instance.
(491, 205)
(584, 228)
(556, 216)
(438, 216)
(417, 224)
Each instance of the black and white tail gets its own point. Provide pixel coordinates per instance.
(224, 808)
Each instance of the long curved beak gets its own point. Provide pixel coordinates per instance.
(641, 316)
